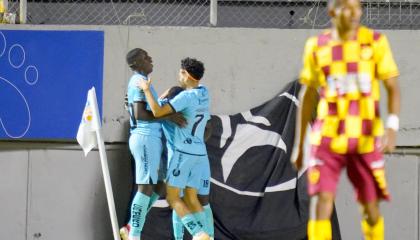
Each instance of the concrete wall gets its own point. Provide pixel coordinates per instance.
(51, 189)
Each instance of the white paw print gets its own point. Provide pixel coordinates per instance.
(15, 113)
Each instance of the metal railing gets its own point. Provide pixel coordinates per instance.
(384, 14)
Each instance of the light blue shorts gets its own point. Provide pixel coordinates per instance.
(187, 170)
(147, 152)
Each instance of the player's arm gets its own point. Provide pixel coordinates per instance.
(308, 98)
(392, 124)
(387, 70)
(141, 112)
(157, 110)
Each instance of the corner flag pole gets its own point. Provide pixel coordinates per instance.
(105, 170)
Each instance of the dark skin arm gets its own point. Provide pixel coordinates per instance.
(158, 111)
(141, 113)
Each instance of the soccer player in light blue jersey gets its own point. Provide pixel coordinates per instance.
(204, 186)
(189, 158)
(145, 143)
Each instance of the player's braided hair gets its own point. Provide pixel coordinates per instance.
(194, 67)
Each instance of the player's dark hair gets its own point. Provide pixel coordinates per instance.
(132, 56)
(194, 67)
(173, 91)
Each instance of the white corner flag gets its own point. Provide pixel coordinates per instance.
(88, 128)
(86, 135)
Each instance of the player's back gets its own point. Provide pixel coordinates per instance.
(194, 105)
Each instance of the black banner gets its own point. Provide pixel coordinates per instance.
(255, 192)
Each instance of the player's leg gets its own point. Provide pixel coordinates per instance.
(178, 172)
(323, 175)
(372, 222)
(204, 200)
(366, 172)
(146, 152)
(159, 189)
(198, 180)
(319, 225)
(187, 218)
(178, 226)
(124, 231)
(203, 197)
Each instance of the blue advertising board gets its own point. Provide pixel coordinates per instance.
(44, 80)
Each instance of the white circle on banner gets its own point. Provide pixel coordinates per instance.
(17, 47)
(30, 78)
(2, 39)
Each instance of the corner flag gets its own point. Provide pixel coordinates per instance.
(89, 123)
(88, 128)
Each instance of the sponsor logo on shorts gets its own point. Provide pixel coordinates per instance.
(145, 160)
(176, 172)
(313, 176)
(188, 141)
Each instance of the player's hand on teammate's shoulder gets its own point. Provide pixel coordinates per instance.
(178, 119)
(144, 84)
(389, 141)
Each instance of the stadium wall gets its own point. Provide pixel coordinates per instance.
(50, 191)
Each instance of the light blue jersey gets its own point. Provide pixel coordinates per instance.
(194, 105)
(134, 94)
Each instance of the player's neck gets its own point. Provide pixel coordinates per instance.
(339, 34)
(141, 72)
(192, 85)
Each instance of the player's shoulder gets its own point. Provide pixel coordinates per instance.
(367, 35)
(320, 39)
(134, 79)
(201, 92)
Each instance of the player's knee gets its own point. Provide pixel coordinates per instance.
(146, 189)
(172, 196)
(192, 202)
(325, 198)
(160, 188)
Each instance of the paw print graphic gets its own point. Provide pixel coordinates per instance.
(15, 74)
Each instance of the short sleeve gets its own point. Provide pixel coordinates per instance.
(180, 101)
(386, 67)
(308, 74)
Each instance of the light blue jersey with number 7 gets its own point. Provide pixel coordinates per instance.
(194, 105)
